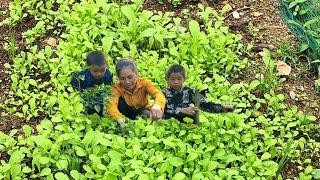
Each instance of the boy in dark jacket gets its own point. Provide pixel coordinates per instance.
(97, 74)
(179, 98)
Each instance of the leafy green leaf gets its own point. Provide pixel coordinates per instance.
(80, 152)
(192, 156)
(33, 82)
(254, 84)
(107, 44)
(175, 161)
(26, 170)
(27, 130)
(61, 176)
(101, 167)
(265, 156)
(129, 13)
(194, 28)
(179, 176)
(148, 32)
(75, 174)
(45, 172)
(316, 173)
(44, 160)
(62, 164)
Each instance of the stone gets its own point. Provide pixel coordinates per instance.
(257, 14)
(301, 88)
(259, 76)
(283, 68)
(52, 42)
(292, 95)
(236, 15)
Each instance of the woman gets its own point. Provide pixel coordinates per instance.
(130, 95)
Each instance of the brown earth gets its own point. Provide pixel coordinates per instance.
(8, 121)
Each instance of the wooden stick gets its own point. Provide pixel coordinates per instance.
(197, 104)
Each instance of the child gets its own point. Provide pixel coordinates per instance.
(130, 95)
(97, 74)
(179, 98)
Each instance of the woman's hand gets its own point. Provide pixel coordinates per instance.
(156, 112)
(189, 110)
(122, 124)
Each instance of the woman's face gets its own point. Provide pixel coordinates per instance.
(128, 79)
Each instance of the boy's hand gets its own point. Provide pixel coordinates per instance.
(122, 124)
(155, 112)
(228, 108)
(189, 110)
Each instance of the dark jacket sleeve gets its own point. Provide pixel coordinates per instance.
(208, 106)
(212, 107)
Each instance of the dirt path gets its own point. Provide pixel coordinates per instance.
(5, 120)
(260, 24)
(8, 121)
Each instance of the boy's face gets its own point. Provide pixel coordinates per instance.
(98, 71)
(128, 79)
(175, 81)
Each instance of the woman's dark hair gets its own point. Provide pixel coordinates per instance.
(176, 68)
(125, 63)
(96, 58)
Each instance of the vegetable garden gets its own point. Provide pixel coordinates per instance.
(259, 140)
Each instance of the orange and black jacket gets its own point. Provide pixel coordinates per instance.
(137, 100)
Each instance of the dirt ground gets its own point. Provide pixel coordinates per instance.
(8, 121)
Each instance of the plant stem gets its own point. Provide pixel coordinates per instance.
(197, 104)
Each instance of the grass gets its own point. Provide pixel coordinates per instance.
(12, 43)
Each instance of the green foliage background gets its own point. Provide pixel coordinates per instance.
(254, 142)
